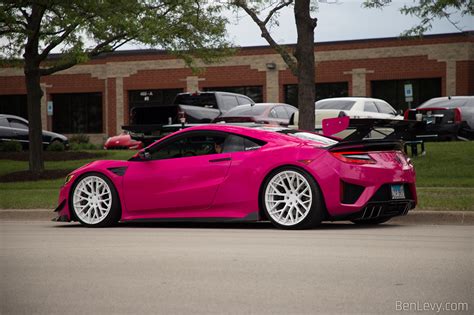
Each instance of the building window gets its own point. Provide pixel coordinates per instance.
(254, 92)
(323, 90)
(152, 97)
(14, 105)
(77, 113)
(393, 91)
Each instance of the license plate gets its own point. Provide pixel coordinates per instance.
(398, 192)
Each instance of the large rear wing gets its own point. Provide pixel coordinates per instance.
(363, 128)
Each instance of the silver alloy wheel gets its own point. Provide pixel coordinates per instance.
(288, 198)
(92, 199)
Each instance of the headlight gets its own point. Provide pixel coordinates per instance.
(68, 178)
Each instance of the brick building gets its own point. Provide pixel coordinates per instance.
(95, 98)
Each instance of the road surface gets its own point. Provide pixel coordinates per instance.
(60, 268)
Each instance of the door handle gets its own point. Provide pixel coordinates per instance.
(220, 160)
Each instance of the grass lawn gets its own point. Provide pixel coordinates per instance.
(445, 179)
(43, 193)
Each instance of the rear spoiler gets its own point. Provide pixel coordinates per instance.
(367, 145)
(402, 129)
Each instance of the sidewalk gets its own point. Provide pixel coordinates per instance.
(414, 217)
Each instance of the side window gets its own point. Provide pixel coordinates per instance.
(385, 108)
(228, 102)
(243, 101)
(234, 143)
(370, 107)
(4, 122)
(194, 145)
(14, 123)
(273, 113)
(169, 151)
(281, 112)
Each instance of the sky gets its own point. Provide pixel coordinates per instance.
(344, 20)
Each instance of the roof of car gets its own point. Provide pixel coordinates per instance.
(13, 116)
(355, 99)
(259, 131)
(261, 105)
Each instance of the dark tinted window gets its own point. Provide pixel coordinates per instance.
(385, 108)
(195, 145)
(322, 91)
(15, 123)
(335, 104)
(14, 105)
(198, 99)
(393, 91)
(449, 103)
(247, 111)
(234, 143)
(77, 113)
(370, 107)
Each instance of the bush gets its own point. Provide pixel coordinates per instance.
(74, 146)
(10, 146)
(56, 146)
(79, 138)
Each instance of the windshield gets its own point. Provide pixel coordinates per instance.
(198, 99)
(335, 104)
(449, 103)
(246, 111)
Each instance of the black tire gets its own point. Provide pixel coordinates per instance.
(374, 221)
(114, 214)
(313, 217)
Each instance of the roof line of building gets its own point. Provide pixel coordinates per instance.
(153, 51)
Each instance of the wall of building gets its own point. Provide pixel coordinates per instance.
(449, 57)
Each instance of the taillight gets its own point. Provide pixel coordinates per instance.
(405, 114)
(457, 116)
(354, 157)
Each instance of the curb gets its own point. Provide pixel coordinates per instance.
(418, 217)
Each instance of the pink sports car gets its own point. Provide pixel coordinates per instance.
(295, 179)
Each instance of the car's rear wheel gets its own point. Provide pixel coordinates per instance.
(95, 201)
(374, 221)
(291, 199)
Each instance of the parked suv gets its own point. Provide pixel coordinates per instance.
(16, 128)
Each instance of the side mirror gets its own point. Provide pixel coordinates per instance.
(144, 155)
(400, 112)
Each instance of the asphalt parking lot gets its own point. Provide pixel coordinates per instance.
(54, 268)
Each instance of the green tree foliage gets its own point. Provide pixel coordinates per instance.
(428, 11)
(79, 30)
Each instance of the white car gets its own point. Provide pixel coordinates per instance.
(354, 107)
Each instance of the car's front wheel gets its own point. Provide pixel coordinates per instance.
(291, 199)
(94, 201)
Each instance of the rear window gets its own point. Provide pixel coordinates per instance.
(201, 100)
(335, 104)
(245, 111)
(449, 103)
(318, 139)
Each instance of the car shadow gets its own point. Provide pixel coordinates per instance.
(341, 225)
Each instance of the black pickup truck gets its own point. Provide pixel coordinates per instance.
(149, 123)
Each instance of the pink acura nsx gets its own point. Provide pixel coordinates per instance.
(293, 178)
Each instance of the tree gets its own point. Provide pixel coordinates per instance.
(300, 60)
(83, 29)
(428, 11)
